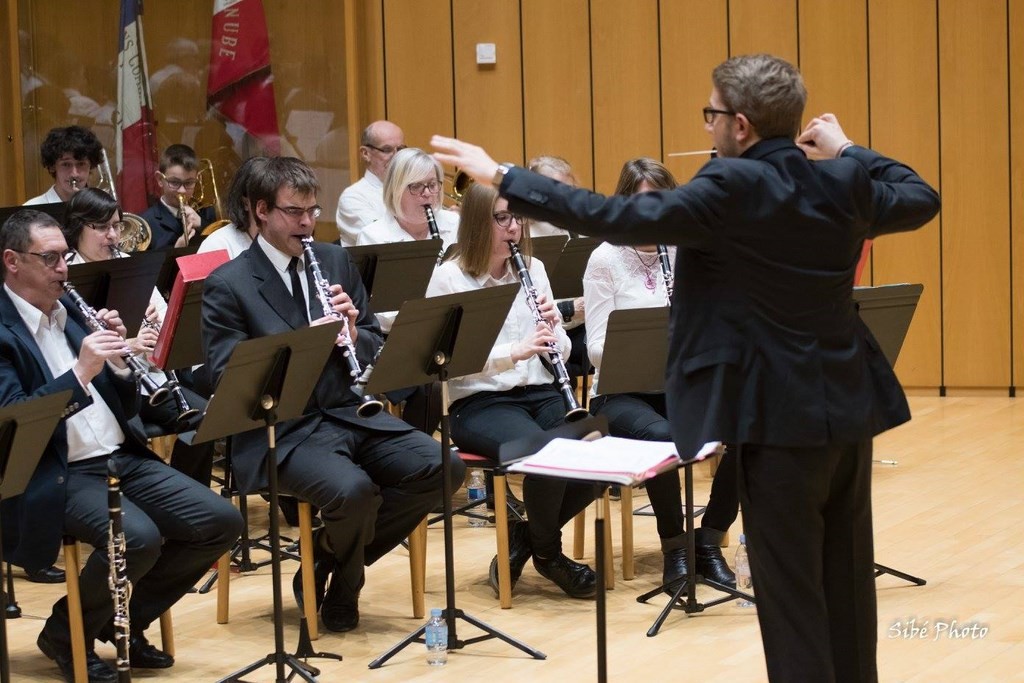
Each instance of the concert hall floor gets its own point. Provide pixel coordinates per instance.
(949, 512)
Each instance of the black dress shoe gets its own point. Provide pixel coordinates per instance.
(577, 580)
(145, 655)
(712, 565)
(519, 551)
(674, 568)
(97, 670)
(323, 564)
(340, 611)
(47, 575)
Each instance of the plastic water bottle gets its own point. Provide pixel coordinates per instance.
(436, 637)
(476, 490)
(743, 581)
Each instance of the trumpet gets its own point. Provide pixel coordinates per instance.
(573, 411)
(369, 406)
(460, 183)
(434, 232)
(138, 366)
(666, 271)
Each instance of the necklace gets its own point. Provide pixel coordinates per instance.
(650, 282)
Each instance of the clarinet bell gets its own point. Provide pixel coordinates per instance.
(576, 414)
(157, 394)
(369, 407)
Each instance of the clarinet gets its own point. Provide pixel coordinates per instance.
(666, 271)
(139, 367)
(434, 232)
(120, 586)
(573, 411)
(369, 406)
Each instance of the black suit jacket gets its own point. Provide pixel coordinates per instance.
(766, 345)
(166, 225)
(245, 299)
(33, 522)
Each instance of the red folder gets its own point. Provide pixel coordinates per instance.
(191, 269)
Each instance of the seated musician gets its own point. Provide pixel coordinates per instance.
(175, 527)
(513, 395)
(93, 224)
(237, 235)
(362, 202)
(68, 155)
(631, 277)
(374, 478)
(173, 221)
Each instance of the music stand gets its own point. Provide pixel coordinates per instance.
(169, 269)
(406, 267)
(121, 284)
(548, 250)
(887, 311)
(433, 339)
(54, 210)
(624, 371)
(567, 275)
(25, 429)
(269, 380)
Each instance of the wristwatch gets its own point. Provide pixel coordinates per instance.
(499, 175)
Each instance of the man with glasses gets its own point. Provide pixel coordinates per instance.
(174, 527)
(174, 223)
(69, 155)
(362, 202)
(767, 350)
(373, 478)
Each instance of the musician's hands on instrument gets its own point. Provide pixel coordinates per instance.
(143, 344)
(97, 348)
(548, 310)
(466, 157)
(342, 304)
(823, 138)
(191, 224)
(112, 319)
(536, 343)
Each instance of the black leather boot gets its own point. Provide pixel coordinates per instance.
(711, 563)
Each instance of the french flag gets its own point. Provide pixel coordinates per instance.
(240, 85)
(135, 140)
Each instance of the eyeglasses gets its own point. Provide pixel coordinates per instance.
(386, 151)
(505, 218)
(104, 227)
(709, 113)
(178, 183)
(50, 258)
(429, 187)
(297, 211)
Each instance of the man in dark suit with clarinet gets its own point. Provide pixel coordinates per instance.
(767, 350)
(175, 528)
(373, 478)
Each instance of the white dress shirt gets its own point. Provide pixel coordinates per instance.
(501, 373)
(280, 261)
(618, 277)
(93, 430)
(48, 197)
(360, 204)
(229, 237)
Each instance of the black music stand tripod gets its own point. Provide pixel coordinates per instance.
(452, 335)
(266, 381)
(25, 429)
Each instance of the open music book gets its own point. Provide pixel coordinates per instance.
(609, 459)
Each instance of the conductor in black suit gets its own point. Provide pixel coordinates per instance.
(373, 478)
(767, 350)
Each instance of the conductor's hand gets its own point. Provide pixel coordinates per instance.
(823, 138)
(97, 348)
(344, 309)
(548, 310)
(462, 155)
(534, 344)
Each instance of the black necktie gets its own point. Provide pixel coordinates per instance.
(300, 300)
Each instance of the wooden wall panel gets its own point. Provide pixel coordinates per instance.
(418, 71)
(489, 97)
(694, 40)
(556, 83)
(905, 125)
(12, 153)
(627, 106)
(975, 183)
(764, 26)
(1016, 9)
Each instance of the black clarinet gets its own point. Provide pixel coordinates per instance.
(434, 232)
(666, 271)
(139, 367)
(120, 586)
(369, 406)
(573, 411)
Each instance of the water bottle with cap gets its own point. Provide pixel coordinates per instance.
(743, 581)
(435, 635)
(476, 490)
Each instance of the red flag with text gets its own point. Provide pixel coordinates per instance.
(135, 141)
(241, 86)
